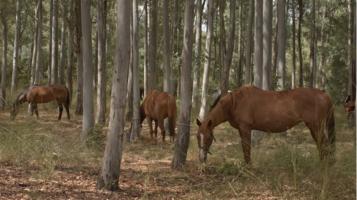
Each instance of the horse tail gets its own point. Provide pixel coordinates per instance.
(330, 126)
(172, 115)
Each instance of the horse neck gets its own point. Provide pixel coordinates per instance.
(217, 115)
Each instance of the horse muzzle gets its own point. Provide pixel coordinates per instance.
(203, 156)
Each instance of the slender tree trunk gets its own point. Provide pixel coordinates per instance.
(49, 73)
(35, 47)
(197, 53)
(230, 47)
(135, 130)
(249, 39)
(88, 119)
(110, 173)
(313, 45)
(4, 61)
(293, 71)
(352, 50)
(207, 64)
(54, 56)
(78, 29)
(62, 64)
(167, 47)
(146, 45)
(241, 43)
(16, 47)
(101, 88)
(151, 70)
(301, 67)
(267, 43)
(281, 44)
(70, 58)
(183, 138)
(38, 66)
(258, 44)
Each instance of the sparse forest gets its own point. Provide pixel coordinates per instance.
(177, 99)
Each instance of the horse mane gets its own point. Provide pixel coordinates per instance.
(215, 102)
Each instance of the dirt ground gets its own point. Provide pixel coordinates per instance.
(43, 159)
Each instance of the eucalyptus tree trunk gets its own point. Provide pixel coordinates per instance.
(101, 87)
(35, 45)
(183, 138)
(135, 129)
(267, 43)
(54, 55)
(16, 46)
(293, 71)
(70, 58)
(167, 48)
(313, 47)
(281, 37)
(49, 73)
(146, 47)
(301, 66)
(62, 64)
(249, 39)
(352, 49)
(110, 172)
(258, 56)
(38, 65)
(258, 44)
(88, 119)
(78, 49)
(4, 61)
(230, 47)
(197, 53)
(151, 70)
(207, 65)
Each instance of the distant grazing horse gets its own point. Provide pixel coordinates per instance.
(43, 94)
(156, 107)
(250, 108)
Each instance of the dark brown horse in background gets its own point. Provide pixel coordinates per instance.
(43, 94)
(156, 107)
(250, 108)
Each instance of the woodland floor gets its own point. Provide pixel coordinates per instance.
(43, 159)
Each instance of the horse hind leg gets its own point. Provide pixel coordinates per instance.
(60, 109)
(320, 139)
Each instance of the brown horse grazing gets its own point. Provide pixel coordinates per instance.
(43, 94)
(156, 107)
(250, 108)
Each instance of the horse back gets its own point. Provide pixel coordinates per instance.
(277, 111)
(45, 94)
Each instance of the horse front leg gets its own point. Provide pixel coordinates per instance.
(60, 109)
(155, 131)
(162, 128)
(35, 108)
(150, 126)
(245, 134)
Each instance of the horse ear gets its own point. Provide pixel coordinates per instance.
(198, 122)
(209, 124)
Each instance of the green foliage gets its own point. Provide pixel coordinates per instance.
(337, 81)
